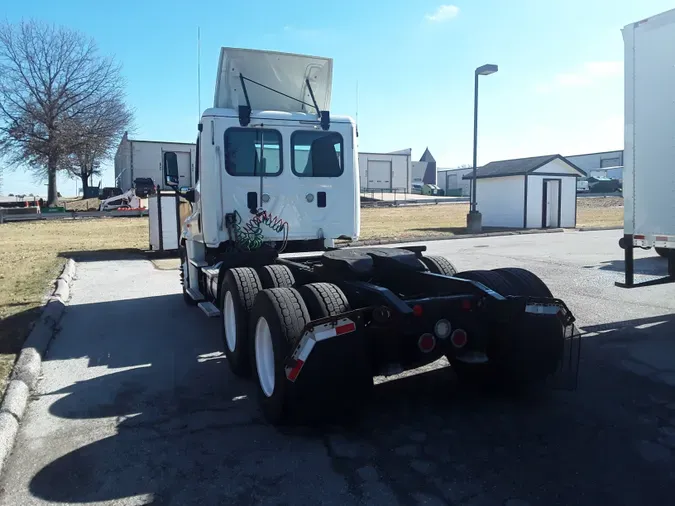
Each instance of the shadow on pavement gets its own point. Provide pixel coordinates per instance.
(654, 266)
(104, 255)
(188, 432)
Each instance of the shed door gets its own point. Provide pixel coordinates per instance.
(379, 174)
(551, 204)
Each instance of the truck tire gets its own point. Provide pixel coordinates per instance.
(183, 278)
(524, 357)
(439, 265)
(663, 252)
(239, 289)
(278, 318)
(491, 279)
(526, 283)
(276, 276)
(324, 299)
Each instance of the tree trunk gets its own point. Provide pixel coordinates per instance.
(85, 183)
(52, 194)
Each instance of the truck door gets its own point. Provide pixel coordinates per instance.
(253, 162)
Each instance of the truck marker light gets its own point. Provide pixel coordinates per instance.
(345, 329)
(426, 343)
(639, 237)
(442, 329)
(292, 374)
(466, 305)
(661, 238)
(459, 338)
(417, 310)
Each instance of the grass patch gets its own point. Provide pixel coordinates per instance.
(600, 216)
(33, 253)
(413, 221)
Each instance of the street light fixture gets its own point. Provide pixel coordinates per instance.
(474, 218)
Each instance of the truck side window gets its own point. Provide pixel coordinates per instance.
(316, 154)
(252, 152)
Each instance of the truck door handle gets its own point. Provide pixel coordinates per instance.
(321, 199)
(252, 202)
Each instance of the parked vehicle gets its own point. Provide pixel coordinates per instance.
(314, 330)
(583, 186)
(144, 187)
(649, 178)
(107, 192)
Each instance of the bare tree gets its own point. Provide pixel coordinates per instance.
(96, 136)
(53, 86)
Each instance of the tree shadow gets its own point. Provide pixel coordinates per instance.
(104, 255)
(463, 230)
(15, 328)
(157, 416)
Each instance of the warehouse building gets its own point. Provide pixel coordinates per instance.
(537, 192)
(424, 171)
(452, 181)
(607, 164)
(385, 171)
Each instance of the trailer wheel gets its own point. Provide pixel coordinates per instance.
(183, 277)
(527, 283)
(239, 289)
(276, 276)
(662, 252)
(439, 265)
(323, 299)
(278, 318)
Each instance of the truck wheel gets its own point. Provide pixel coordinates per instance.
(439, 265)
(240, 286)
(492, 279)
(183, 277)
(278, 318)
(324, 299)
(527, 283)
(276, 276)
(662, 252)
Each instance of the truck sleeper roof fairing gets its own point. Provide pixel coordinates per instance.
(285, 73)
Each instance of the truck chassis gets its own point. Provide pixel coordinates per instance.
(315, 330)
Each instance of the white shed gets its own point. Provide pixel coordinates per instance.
(385, 171)
(538, 192)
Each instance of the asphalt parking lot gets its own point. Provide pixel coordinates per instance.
(137, 405)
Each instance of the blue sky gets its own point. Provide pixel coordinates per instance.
(559, 88)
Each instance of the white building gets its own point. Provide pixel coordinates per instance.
(146, 159)
(538, 192)
(603, 164)
(385, 171)
(452, 183)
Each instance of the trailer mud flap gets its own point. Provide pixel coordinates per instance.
(566, 376)
(328, 356)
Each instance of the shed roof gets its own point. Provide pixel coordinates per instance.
(518, 167)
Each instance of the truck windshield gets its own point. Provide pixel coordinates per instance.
(252, 152)
(316, 154)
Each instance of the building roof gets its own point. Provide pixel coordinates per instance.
(518, 166)
(427, 156)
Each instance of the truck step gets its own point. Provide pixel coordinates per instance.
(195, 295)
(199, 263)
(209, 309)
(210, 272)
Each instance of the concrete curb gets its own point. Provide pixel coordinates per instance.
(597, 229)
(374, 242)
(28, 366)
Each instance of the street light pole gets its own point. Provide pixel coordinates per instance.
(474, 219)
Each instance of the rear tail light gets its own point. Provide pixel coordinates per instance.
(426, 343)
(639, 237)
(459, 338)
(417, 310)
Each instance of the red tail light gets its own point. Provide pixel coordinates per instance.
(459, 338)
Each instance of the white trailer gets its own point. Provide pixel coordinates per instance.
(136, 159)
(649, 151)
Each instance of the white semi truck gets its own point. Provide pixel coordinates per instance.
(277, 173)
(649, 151)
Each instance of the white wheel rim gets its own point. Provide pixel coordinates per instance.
(230, 322)
(264, 356)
